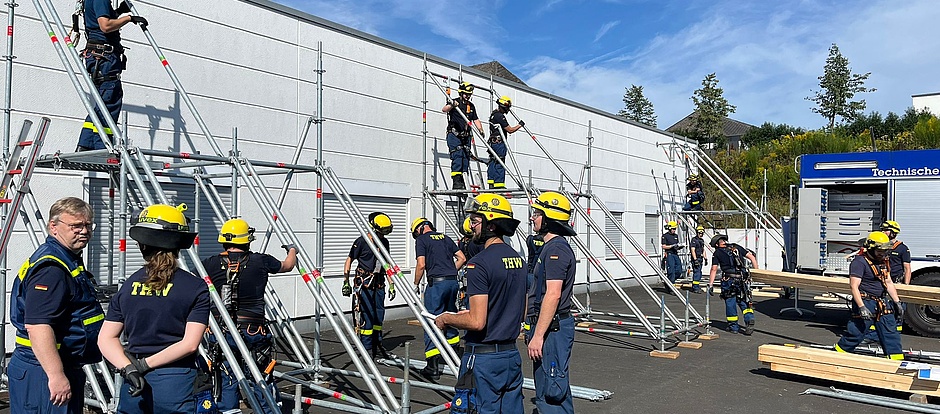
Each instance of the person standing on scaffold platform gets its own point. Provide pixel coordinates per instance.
(459, 134)
(499, 132)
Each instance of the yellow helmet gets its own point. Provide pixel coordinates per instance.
(700, 229)
(672, 225)
(877, 241)
(466, 227)
(418, 223)
(693, 177)
(555, 206)
(490, 206)
(236, 231)
(891, 225)
(163, 226)
(465, 88)
(381, 223)
(504, 101)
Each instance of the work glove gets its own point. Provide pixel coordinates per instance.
(123, 8)
(418, 290)
(704, 261)
(391, 292)
(140, 364)
(289, 246)
(134, 379)
(347, 290)
(521, 123)
(865, 314)
(711, 291)
(898, 311)
(140, 21)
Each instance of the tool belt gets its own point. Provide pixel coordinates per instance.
(495, 139)
(102, 49)
(369, 280)
(436, 279)
(881, 307)
(464, 135)
(532, 320)
(489, 348)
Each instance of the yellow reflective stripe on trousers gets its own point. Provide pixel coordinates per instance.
(499, 185)
(93, 128)
(747, 311)
(454, 341)
(377, 327)
(453, 173)
(27, 342)
(93, 319)
(839, 348)
(732, 319)
(431, 353)
(899, 328)
(365, 332)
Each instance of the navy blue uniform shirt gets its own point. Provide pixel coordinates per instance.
(534, 245)
(498, 125)
(498, 272)
(670, 239)
(698, 246)
(861, 268)
(438, 251)
(252, 279)
(897, 256)
(361, 252)
(469, 248)
(48, 296)
(455, 121)
(722, 258)
(93, 10)
(556, 262)
(155, 320)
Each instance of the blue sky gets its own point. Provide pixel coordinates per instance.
(767, 54)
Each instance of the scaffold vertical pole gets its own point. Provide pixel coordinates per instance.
(321, 208)
(587, 167)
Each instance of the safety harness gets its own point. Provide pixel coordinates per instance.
(882, 272)
(230, 289)
(740, 281)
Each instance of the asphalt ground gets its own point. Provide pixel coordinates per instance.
(723, 376)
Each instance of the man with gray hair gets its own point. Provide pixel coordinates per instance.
(56, 315)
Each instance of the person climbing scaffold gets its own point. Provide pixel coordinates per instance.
(499, 133)
(459, 134)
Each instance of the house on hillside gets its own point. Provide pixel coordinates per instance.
(497, 69)
(732, 130)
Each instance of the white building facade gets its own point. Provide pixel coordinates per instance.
(251, 65)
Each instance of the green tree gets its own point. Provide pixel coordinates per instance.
(636, 107)
(769, 132)
(711, 109)
(838, 86)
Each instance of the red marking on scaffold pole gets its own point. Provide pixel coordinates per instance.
(397, 269)
(113, 161)
(184, 155)
(10, 31)
(390, 272)
(111, 192)
(306, 277)
(424, 116)
(196, 241)
(25, 143)
(54, 39)
(68, 40)
(274, 216)
(164, 62)
(533, 137)
(6, 200)
(281, 164)
(319, 193)
(589, 210)
(14, 172)
(337, 395)
(166, 165)
(447, 405)
(122, 245)
(590, 329)
(392, 380)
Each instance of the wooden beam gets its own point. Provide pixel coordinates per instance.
(924, 295)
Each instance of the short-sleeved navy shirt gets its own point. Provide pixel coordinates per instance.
(93, 10)
(469, 248)
(455, 121)
(364, 256)
(670, 239)
(897, 257)
(438, 251)
(697, 244)
(722, 258)
(155, 320)
(861, 268)
(498, 125)
(48, 294)
(556, 262)
(252, 279)
(534, 245)
(499, 273)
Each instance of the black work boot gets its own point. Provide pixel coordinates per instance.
(433, 370)
(378, 350)
(458, 182)
(748, 328)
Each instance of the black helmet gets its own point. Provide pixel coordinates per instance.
(716, 238)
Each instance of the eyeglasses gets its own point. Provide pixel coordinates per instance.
(475, 222)
(78, 227)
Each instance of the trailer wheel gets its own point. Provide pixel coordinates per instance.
(924, 319)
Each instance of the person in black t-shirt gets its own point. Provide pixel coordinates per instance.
(162, 312)
(499, 132)
(242, 277)
(735, 289)
(871, 283)
(369, 286)
(549, 325)
(694, 194)
(671, 247)
(459, 134)
(435, 254)
(496, 286)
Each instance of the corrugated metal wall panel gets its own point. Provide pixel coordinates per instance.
(918, 221)
(652, 234)
(99, 259)
(341, 232)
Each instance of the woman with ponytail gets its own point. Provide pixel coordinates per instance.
(162, 311)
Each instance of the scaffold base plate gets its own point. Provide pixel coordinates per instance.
(689, 345)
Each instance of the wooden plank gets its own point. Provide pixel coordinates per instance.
(689, 345)
(824, 356)
(664, 354)
(848, 371)
(916, 385)
(925, 295)
(414, 322)
(708, 337)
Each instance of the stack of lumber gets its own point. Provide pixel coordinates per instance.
(849, 368)
(924, 295)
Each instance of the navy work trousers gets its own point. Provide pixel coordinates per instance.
(371, 312)
(441, 297)
(552, 381)
(29, 389)
(498, 377)
(673, 267)
(459, 154)
(111, 91)
(169, 391)
(255, 338)
(732, 304)
(495, 173)
(886, 327)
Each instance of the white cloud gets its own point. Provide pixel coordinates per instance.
(604, 29)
